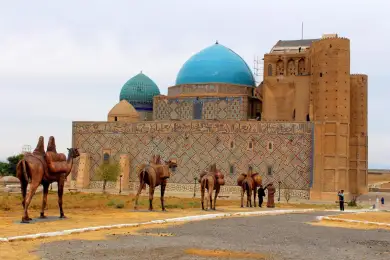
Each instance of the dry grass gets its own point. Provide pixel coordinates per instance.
(95, 201)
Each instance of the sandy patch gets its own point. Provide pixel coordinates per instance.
(225, 254)
(380, 217)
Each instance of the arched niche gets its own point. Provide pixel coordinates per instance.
(279, 68)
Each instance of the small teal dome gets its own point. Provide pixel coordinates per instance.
(216, 64)
(139, 92)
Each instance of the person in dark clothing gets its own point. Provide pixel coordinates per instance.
(341, 199)
(261, 194)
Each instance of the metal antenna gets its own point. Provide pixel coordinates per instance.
(302, 30)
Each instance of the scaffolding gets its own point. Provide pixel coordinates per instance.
(26, 149)
(258, 69)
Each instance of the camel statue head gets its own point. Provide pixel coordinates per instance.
(73, 152)
(172, 163)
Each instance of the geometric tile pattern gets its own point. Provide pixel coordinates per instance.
(212, 108)
(278, 151)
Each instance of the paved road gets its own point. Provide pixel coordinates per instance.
(283, 236)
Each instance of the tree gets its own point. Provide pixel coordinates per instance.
(12, 162)
(108, 171)
(3, 168)
(9, 168)
(287, 192)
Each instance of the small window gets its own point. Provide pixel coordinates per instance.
(106, 157)
(308, 118)
(270, 146)
(321, 74)
(231, 170)
(269, 170)
(232, 144)
(116, 118)
(250, 145)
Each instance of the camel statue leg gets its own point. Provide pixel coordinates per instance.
(141, 184)
(242, 195)
(250, 196)
(33, 187)
(163, 186)
(216, 195)
(21, 173)
(60, 195)
(202, 190)
(44, 198)
(23, 188)
(210, 190)
(254, 196)
(151, 193)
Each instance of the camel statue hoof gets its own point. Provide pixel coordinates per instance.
(25, 220)
(63, 216)
(42, 216)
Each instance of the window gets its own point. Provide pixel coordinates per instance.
(250, 145)
(116, 118)
(269, 69)
(270, 146)
(321, 74)
(232, 144)
(269, 170)
(106, 157)
(231, 170)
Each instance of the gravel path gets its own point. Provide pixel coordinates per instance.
(283, 237)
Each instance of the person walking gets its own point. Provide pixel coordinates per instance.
(261, 194)
(341, 199)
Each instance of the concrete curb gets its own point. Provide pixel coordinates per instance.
(319, 218)
(162, 221)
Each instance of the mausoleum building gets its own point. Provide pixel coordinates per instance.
(304, 127)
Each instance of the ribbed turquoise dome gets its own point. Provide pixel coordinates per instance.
(216, 64)
(139, 92)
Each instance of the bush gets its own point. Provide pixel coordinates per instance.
(108, 171)
(116, 204)
(120, 205)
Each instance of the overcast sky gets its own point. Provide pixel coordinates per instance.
(64, 61)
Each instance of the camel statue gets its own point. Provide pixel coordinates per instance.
(211, 180)
(249, 183)
(43, 168)
(154, 174)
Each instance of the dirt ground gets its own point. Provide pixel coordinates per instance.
(25, 249)
(86, 209)
(381, 217)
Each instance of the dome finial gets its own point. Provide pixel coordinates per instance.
(141, 72)
(216, 42)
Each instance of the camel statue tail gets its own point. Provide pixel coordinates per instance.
(21, 171)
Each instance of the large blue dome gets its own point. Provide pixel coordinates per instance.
(216, 64)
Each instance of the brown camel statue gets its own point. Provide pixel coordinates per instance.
(211, 180)
(154, 174)
(43, 168)
(249, 183)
